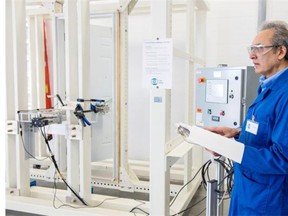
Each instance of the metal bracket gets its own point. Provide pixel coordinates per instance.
(12, 127)
(126, 180)
(74, 132)
(131, 6)
(178, 152)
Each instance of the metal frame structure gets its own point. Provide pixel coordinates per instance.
(164, 151)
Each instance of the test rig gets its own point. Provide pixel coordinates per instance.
(53, 144)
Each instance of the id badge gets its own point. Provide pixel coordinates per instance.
(252, 127)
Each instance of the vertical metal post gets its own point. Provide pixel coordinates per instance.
(38, 82)
(84, 75)
(188, 161)
(190, 41)
(71, 67)
(189, 99)
(58, 148)
(123, 96)
(40, 64)
(20, 91)
(220, 176)
(159, 120)
(10, 102)
(211, 200)
(115, 110)
(262, 5)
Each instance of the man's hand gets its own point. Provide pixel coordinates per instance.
(225, 131)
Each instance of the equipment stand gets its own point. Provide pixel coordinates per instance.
(211, 201)
(220, 177)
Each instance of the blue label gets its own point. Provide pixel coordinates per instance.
(157, 99)
(154, 81)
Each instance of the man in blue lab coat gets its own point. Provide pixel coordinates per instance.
(261, 180)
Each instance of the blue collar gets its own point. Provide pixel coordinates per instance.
(266, 82)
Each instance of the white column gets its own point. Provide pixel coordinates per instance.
(84, 81)
(40, 68)
(19, 83)
(190, 41)
(71, 67)
(189, 100)
(159, 129)
(262, 7)
(60, 148)
(10, 139)
(123, 84)
(32, 63)
(159, 120)
(117, 99)
(38, 76)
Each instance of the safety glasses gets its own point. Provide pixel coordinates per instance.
(260, 49)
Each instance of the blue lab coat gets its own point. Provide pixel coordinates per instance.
(261, 180)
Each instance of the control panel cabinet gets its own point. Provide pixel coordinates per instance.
(223, 95)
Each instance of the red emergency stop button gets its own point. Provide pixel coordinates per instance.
(201, 80)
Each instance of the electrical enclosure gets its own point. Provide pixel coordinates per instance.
(223, 95)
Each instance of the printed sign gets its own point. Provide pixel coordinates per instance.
(157, 64)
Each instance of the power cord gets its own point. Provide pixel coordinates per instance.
(52, 158)
(173, 200)
(57, 168)
(228, 167)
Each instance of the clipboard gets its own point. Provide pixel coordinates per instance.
(212, 141)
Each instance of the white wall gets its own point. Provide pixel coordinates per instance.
(231, 26)
(278, 10)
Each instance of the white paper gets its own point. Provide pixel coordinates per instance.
(215, 142)
(157, 63)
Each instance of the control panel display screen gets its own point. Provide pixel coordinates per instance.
(217, 91)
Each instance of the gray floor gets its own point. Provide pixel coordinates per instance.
(197, 204)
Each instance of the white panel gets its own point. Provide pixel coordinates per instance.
(138, 97)
(102, 85)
